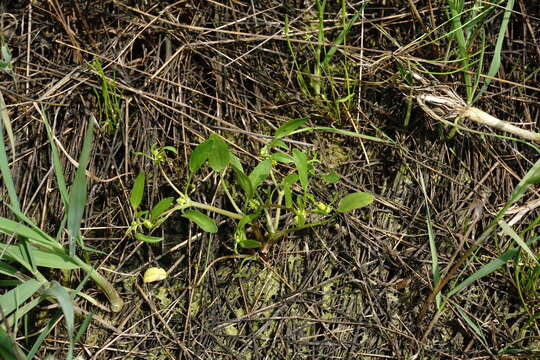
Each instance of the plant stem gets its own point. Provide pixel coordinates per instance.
(455, 12)
(199, 205)
(226, 190)
(117, 303)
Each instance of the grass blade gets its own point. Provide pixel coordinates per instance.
(4, 162)
(496, 61)
(42, 258)
(485, 270)
(77, 195)
(341, 37)
(58, 170)
(8, 346)
(510, 232)
(14, 298)
(65, 301)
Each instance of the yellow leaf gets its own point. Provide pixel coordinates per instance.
(154, 274)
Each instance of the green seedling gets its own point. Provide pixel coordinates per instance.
(316, 77)
(109, 98)
(468, 30)
(271, 201)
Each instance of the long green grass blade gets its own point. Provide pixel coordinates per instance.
(77, 195)
(473, 325)
(51, 258)
(65, 301)
(57, 164)
(4, 161)
(14, 298)
(456, 10)
(496, 61)
(44, 333)
(8, 270)
(10, 227)
(485, 270)
(8, 346)
(510, 232)
(83, 327)
(7, 124)
(341, 37)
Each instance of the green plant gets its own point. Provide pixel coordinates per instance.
(267, 206)
(518, 251)
(468, 27)
(109, 98)
(27, 249)
(319, 70)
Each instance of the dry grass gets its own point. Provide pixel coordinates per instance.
(350, 291)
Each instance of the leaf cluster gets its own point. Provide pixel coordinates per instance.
(272, 200)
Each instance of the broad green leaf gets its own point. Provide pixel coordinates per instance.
(65, 301)
(282, 158)
(219, 156)
(286, 185)
(260, 173)
(136, 196)
(250, 244)
(203, 221)
(300, 160)
(78, 193)
(290, 126)
(148, 238)
(199, 155)
(331, 178)
(160, 207)
(14, 298)
(355, 201)
(235, 163)
(171, 149)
